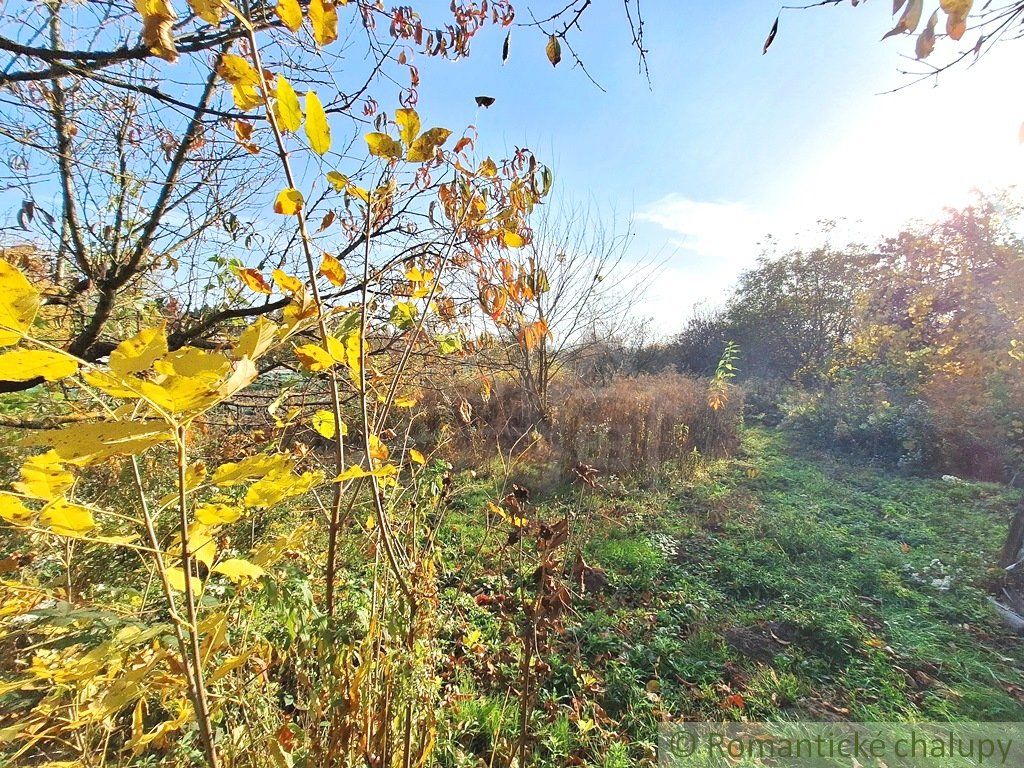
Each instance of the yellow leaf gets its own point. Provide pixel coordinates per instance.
(238, 569)
(246, 97)
(215, 513)
(378, 450)
(337, 350)
(425, 147)
(351, 473)
(93, 441)
(488, 169)
(290, 13)
(176, 578)
(191, 362)
(408, 125)
(286, 282)
(286, 107)
(139, 352)
(253, 279)
(13, 510)
(19, 302)
(512, 239)
(43, 477)
(67, 519)
(382, 145)
(113, 386)
(416, 456)
(323, 422)
(318, 131)
(354, 472)
(314, 357)
(333, 270)
(323, 17)
(337, 180)
(28, 364)
(237, 70)
(251, 467)
(211, 11)
(201, 543)
(158, 19)
(289, 200)
(353, 355)
(256, 339)
(276, 487)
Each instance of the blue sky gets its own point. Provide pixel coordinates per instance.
(726, 145)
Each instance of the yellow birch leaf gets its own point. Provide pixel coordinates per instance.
(67, 519)
(353, 472)
(28, 364)
(290, 13)
(139, 352)
(19, 302)
(333, 270)
(274, 488)
(416, 456)
(337, 180)
(193, 362)
(382, 145)
(286, 106)
(318, 131)
(238, 569)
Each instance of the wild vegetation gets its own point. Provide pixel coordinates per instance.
(329, 440)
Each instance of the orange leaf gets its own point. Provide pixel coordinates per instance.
(253, 280)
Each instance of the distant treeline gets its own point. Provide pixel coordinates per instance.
(908, 352)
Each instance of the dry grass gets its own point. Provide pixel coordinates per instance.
(630, 427)
(634, 425)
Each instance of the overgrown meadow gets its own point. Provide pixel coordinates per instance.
(329, 439)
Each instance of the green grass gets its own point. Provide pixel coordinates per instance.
(779, 584)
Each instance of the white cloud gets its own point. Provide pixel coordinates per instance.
(717, 230)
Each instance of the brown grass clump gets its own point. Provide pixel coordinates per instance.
(634, 425)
